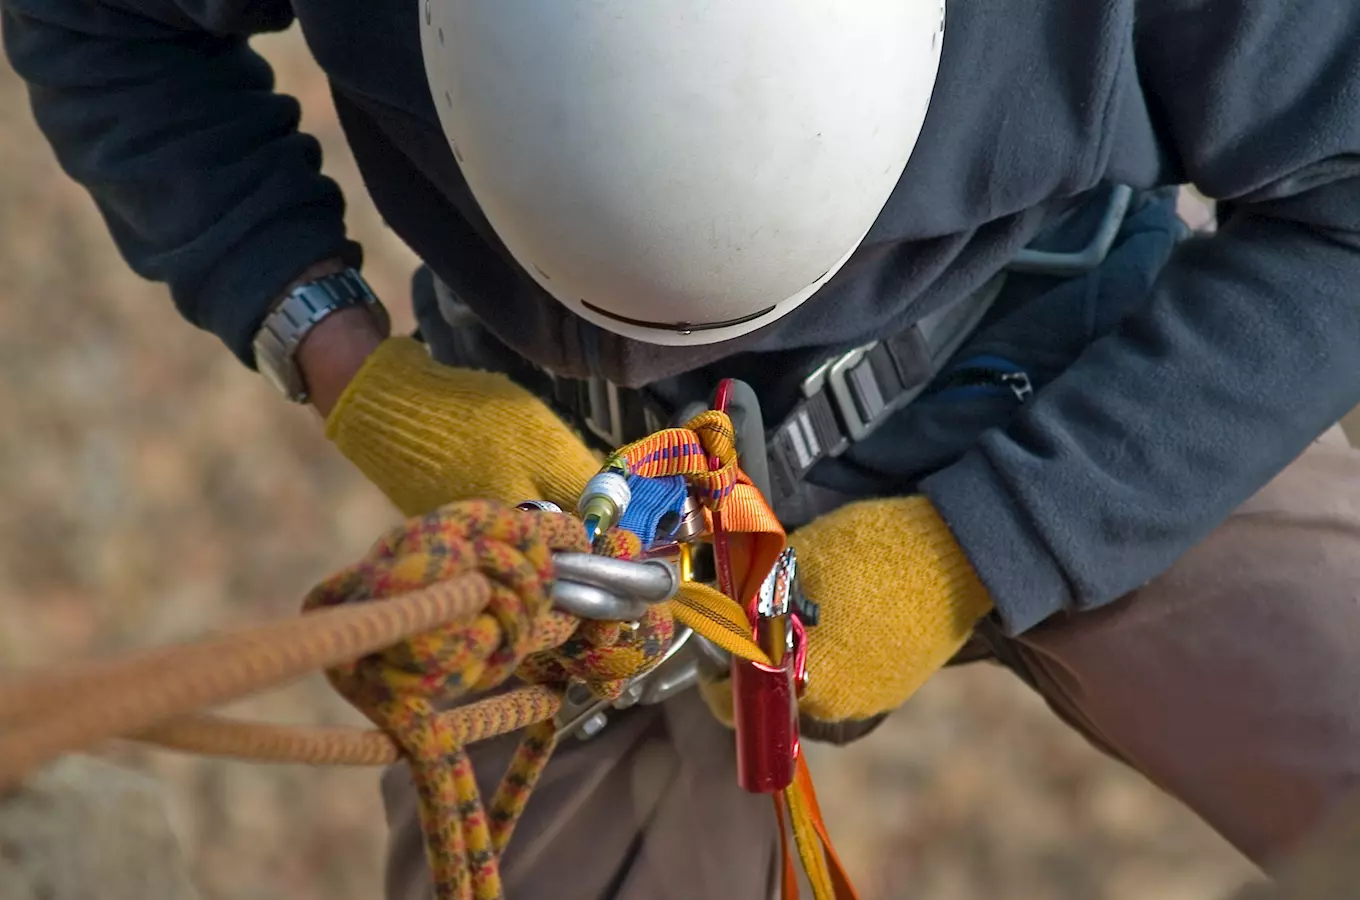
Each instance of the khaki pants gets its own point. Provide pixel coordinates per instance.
(1232, 681)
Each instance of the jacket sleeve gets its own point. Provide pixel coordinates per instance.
(1249, 346)
(164, 113)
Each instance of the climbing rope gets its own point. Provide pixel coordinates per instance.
(445, 606)
(402, 688)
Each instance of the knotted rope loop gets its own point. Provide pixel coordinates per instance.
(513, 549)
(606, 655)
(402, 688)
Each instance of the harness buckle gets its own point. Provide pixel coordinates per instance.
(611, 414)
(838, 378)
(855, 392)
(1069, 264)
(603, 413)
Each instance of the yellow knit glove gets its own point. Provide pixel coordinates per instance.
(428, 434)
(898, 599)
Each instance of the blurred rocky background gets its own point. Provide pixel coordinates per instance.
(151, 489)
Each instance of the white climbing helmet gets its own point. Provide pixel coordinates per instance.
(681, 171)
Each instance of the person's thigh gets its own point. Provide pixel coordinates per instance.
(1233, 681)
(647, 810)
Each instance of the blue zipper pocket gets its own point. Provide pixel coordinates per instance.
(981, 376)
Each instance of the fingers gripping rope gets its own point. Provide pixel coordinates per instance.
(466, 597)
(403, 688)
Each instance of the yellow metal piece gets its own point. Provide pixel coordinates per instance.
(686, 563)
(599, 514)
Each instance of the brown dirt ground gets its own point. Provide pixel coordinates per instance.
(152, 490)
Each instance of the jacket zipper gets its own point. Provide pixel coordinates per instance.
(983, 376)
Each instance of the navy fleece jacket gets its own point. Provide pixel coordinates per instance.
(1248, 347)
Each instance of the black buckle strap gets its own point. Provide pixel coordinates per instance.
(612, 415)
(844, 401)
(847, 398)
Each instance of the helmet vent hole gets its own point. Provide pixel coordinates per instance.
(546, 276)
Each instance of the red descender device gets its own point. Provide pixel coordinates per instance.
(765, 698)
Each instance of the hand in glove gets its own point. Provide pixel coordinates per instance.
(428, 434)
(898, 598)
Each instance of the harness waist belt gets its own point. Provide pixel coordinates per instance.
(842, 401)
(847, 397)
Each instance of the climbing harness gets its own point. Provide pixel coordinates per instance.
(464, 599)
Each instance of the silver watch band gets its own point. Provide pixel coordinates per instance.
(307, 304)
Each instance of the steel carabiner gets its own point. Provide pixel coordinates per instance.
(597, 587)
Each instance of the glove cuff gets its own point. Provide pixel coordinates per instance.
(899, 598)
(944, 570)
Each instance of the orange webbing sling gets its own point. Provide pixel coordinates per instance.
(704, 452)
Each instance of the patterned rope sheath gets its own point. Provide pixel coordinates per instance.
(405, 688)
(468, 605)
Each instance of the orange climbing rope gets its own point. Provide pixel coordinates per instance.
(465, 606)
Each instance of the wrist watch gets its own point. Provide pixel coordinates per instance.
(293, 319)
